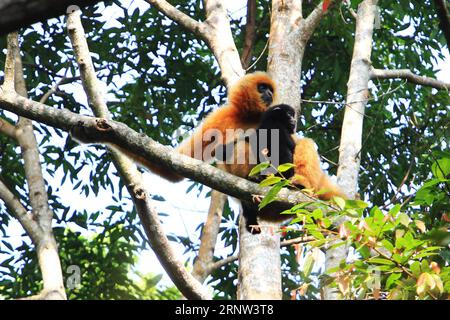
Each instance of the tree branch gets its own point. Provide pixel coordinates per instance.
(20, 212)
(215, 31)
(181, 18)
(208, 239)
(46, 247)
(312, 21)
(117, 133)
(250, 33)
(7, 129)
(352, 125)
(219, 264)
(408, 76)
(21, 13)
(444, 19)
(184, 281)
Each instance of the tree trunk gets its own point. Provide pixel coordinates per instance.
(351, 135)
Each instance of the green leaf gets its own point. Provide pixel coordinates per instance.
(285, 167)
(271, 195)
(441, 168)
(415, 268)
(317, 214)
(394, 210)
(340, 202)
(309, 264)
(258, 168)
(391, 279)
(356, 204)
(387, 244)
(403, 219)
(381, 261)
(269, 181)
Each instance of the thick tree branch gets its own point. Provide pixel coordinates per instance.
(220, 40)
(10, 62)
(408, 76)
(215, 31)
(189, 286)
(250, 33)
(444, 18)
(20, 13)
(123, 136)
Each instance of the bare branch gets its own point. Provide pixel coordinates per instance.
(8, 83)
(46, 246)
(184, 281)
(312, 21)
(250, 33)
(221, 42)
(352, 126)
(209, 237)
(179, 17)
(444, 18)
(54, 88)
(7, 128)
(215, 31)
(408, 76)
(20, 212)
(17, 14)
(286, 243)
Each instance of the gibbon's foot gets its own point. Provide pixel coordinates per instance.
(256, 198)
(254, 229)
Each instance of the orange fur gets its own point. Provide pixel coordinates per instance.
(243, 111)
(308, 172)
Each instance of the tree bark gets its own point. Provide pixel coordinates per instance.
(16, 14)
(41, 215)
(187, 285)
(351, 135)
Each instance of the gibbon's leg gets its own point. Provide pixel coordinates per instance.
(250, 212)
(310, 174)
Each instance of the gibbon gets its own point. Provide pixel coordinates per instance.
(247, 101)
(272, 141)
(306, 173)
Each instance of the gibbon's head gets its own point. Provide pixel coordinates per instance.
(282, 115)
(253, 93)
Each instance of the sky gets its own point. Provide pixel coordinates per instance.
(185, 211)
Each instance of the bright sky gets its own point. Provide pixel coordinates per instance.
(186, 212)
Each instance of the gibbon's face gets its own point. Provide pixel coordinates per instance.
(266, 92)
(285, 115)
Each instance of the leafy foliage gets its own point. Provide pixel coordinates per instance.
(162, 81)
(400, 253)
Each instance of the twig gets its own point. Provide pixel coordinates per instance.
(409, 77)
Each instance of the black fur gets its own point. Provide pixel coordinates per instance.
(283, 118)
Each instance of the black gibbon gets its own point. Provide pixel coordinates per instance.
(272, 141)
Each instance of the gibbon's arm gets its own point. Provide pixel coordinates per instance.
(310, 174)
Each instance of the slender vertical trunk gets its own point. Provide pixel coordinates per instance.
(351, 136)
